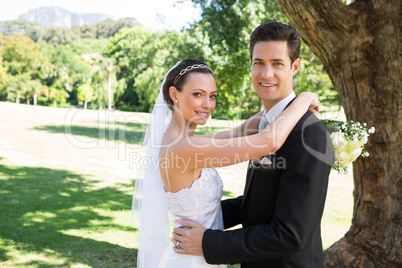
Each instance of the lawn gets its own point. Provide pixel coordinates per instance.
(66, 183)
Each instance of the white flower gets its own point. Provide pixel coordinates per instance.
(364, 139)
(338, 139)
(348, 141)
(355, 154)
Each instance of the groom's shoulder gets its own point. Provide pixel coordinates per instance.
(309, 121)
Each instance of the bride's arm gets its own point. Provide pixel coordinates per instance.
(248, 127)
(203, 152)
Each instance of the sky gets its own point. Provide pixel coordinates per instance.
(153, 14)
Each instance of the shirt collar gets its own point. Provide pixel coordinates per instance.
(277, 109)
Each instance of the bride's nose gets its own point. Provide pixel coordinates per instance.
(206, 103)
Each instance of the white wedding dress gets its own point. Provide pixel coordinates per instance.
(200, 203)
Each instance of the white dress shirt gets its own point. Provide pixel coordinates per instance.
(275, 111)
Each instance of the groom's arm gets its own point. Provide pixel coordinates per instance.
(300, 200)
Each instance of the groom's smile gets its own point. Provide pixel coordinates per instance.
(268, 85)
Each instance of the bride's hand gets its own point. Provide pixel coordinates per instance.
(314, 102)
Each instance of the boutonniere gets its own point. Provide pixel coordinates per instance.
(264, 161)
(348, 139)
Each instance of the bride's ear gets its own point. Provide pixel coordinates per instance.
(173, 94)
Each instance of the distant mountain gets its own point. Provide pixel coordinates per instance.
(56, 16)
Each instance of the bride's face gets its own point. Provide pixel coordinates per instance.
(197, 99)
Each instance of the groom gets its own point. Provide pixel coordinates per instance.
(283, 201)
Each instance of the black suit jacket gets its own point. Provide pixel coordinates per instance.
(281, 208)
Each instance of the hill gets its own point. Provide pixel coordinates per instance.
(56, 16)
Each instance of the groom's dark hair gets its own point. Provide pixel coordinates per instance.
(277, 31)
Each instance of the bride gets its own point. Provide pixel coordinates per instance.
(184, 181)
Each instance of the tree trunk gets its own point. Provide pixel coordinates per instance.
(85, 104)
(109, 90)
(35, 97)
(54, 104)
(360, 47)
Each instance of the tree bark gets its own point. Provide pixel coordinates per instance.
(360, 46)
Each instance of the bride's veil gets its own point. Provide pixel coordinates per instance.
(149, 206)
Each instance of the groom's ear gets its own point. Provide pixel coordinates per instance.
(295, 66)
(173, 93)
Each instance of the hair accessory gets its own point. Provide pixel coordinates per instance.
(189, 68)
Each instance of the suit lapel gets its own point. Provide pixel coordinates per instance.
(251, 170)
(249, 177)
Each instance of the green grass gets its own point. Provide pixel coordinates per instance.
(57, 217)
(65, 206)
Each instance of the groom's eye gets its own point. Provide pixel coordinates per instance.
(278, 63)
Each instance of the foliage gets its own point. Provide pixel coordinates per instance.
(85, 93)
(20, 55)
(134, 51)
(3, 79)
(132, 60)
(104, 29)
(312, 77)
(22, 27)
(103, 75)
(59, 35)
(64, 35)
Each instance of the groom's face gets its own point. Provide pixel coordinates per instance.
(272, 71)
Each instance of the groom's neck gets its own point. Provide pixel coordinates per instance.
(268, 104)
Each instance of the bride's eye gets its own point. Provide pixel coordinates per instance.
(197, 94)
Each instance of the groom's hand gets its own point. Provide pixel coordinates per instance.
(188, 239)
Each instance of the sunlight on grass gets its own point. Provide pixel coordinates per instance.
(38, 216)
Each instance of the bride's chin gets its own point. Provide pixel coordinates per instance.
(199, 122)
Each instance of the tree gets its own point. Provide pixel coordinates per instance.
(3, 80)
(360, 47)
(59, 35)
(57, 95)
(85, 94)
(22, 27)
(20, 54)
(134, 51)
(104, 29)
(104, 70)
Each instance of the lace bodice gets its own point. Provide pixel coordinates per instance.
(205, 192)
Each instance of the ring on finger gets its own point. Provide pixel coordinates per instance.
(178, 244)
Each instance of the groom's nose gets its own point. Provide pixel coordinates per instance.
(267, 72)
